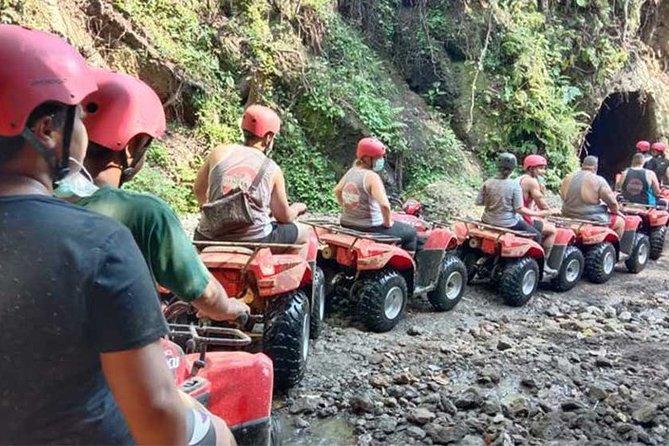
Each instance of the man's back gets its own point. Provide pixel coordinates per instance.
(70, 290)
(169, 253)
(501, 198)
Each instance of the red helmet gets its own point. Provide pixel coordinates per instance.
(122, 108)
(260, 120)
(371, 147)
(412, 206)
(534, 161)
(37, 67)
(659, 147)
(643, 146)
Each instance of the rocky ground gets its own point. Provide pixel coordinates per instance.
(586, 367)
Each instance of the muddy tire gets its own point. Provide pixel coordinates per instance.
(317, 304)
(600, 263)
(657, 237)
(519, 281)
(638, 259)
(382, 298)
(571, 270)
(450, 285)
(286, 337)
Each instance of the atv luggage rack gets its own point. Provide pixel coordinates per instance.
(480, 224)
(202, 336)
(565, 221)
(337, 228)
(641, 206)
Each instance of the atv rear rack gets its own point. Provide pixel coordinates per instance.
(568, 221)
(480, 224)
(252, 245)
(336, 228)
(641, 206)
(202, 336)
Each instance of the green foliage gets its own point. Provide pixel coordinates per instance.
(154, 180)
(309, 175)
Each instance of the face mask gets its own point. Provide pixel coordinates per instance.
(379, 164)
(77, 184)
(541, 180)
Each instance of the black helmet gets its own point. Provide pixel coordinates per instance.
(507, 160)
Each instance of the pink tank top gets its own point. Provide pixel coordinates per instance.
(238, 168)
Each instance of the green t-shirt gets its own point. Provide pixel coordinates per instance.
(169, 253)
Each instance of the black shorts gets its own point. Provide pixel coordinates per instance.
(538, 224)
(524, 226)
(281, 233)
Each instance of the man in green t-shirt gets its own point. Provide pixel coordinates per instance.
(122, 118)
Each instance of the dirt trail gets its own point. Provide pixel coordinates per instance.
(586, 367)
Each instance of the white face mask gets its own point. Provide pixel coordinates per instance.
(79, 183)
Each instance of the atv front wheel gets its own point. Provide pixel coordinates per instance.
(657, 237)
(600, 262)
(382, 298)
(317, 303)
(286, 337)
(450, 285)
(640, 253)
(570, 270)
(519, 280)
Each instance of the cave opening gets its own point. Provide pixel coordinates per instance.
(623, 119)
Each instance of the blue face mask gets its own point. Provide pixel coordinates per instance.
(78, 184)
(379, 165)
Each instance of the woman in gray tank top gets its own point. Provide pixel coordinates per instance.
(363, 197)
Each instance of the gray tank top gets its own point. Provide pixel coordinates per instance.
(501, 198)
(238, 168)
(574, 206)
(360, 209)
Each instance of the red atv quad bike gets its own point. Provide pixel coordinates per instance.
(514, 263)
(380, 276)
(654, 221)
(603, 248)
(286, 294)
(235, 386)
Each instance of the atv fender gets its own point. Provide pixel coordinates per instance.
(513, 246)
(593, 235)
(632, 222)
(313, 245)
(241, 391)
(564, 236)
(441, 238)
(658, 218)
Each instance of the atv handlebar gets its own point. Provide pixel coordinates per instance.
(204, 336)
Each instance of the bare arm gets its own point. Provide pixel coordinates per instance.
(202, 182)
(608, 197)
(620, 179)
(338, 190)
(281, 210)
(215, 303)
(144, 389)
(378, 192)
(654, 183)
(537, 194)
(564, 187)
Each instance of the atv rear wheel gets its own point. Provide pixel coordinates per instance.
(657, 237)
(286, 337)
(317, 303)
(638, 259)
(450, 284)
(382, 298)
(519, 280)
(600, 262)
(570, 271)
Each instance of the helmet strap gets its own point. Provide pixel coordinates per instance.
(58, 170)
(128, 171)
